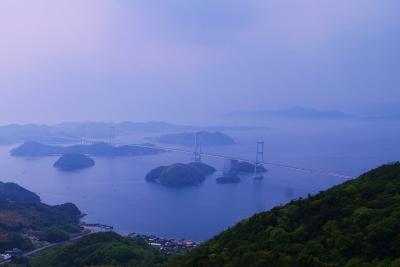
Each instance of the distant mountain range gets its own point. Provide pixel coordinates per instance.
(300, 112)
(295, 112)
(72, 132)
(387, 109)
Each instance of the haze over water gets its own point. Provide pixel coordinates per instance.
(114, 192)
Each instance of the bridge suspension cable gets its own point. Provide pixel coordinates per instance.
(280, 165)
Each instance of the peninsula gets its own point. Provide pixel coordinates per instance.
(26, 222)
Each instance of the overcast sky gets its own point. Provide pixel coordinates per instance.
(187, 61)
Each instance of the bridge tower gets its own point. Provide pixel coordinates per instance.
(197, 148)
(83, 141)
(259, 160)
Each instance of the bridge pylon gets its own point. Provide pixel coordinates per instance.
(259, 159)
(197, 148)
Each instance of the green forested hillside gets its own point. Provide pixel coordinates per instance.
(15, 193)
(102, 249)
(353, 224)
(22, 215)
(50, 223)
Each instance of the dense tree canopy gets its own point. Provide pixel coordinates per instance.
(353, 224)
(15, 193)
(105, 249)
(50, 223)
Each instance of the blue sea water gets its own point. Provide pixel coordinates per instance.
(114, 191)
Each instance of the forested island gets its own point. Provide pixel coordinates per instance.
(188, 139)
(25, 221)
(180, 174)
(73, 161)
(35, 149)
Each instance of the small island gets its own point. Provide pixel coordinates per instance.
(243, 167)
(188, 139)
(228, 179)
(72, 162)
(180, 174)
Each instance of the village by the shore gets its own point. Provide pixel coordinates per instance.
(167, 245)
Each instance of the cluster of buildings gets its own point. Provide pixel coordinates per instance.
(6, 255)
(96, 227)
(167, 245)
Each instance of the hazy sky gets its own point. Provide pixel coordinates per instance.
(189, 60)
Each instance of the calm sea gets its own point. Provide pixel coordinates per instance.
(114, 192)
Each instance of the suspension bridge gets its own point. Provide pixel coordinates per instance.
(198, 153)
(258, 161)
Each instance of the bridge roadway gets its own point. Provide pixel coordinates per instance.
(280, 165)
(221, 156)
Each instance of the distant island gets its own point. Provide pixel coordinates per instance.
(228, 179)
(236, 168)
(35, 149)
(188, 139)
(72, 162)
(180, 174)
(73, 132)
